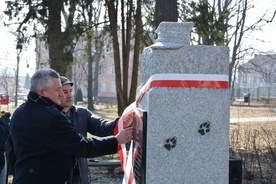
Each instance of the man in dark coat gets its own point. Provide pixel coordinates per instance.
(85, 122)
(44, 141)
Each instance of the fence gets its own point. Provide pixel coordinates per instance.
(256, 92)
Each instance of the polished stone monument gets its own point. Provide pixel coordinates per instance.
(185, 94)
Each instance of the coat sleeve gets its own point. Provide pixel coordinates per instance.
(98, 126)
(63, 137)
(3, 139)
(11, 155)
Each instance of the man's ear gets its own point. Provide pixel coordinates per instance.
(40, 92)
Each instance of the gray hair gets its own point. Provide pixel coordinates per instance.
(42, 79)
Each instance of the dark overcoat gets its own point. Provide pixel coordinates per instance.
(4, 132)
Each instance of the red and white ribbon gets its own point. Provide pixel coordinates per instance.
(119, 128)
(183, 81)
(127, 160)
(167, 81)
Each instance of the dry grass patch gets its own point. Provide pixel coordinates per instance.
(255, 144)
(261, 108)
(106, 112)
(249, 112)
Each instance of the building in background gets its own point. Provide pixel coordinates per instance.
(257, 77)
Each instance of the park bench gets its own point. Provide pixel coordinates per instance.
(101, 163)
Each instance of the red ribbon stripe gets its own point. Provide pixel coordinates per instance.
(184, 81)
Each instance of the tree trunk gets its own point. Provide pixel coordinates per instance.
(125, 96)
(112, 13)
(55, 37)
(96, 78)
(135, 68)
(90, 79)
(97, 58)
(165, 10)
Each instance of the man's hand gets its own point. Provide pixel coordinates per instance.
(128, 118)
(125, 135)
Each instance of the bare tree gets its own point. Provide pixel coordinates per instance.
(5, 79)
(93, 43)
(212, 26)
(130, 18)
(264, 65)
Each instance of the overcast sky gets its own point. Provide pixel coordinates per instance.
(264, 40)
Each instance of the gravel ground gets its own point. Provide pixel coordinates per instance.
(106, 175)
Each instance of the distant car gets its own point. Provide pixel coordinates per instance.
(85, 100)
(21, 96)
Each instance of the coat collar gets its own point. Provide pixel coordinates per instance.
(37, 99)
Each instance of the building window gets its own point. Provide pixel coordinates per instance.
(103, 68)
(102, 87)
(113, 69)
(244, 78)
(255, 79)
(112, 87)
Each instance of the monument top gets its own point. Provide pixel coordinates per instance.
(175, 32)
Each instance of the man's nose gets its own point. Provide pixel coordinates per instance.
(61, 93)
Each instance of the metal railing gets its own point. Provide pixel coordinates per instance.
(255, 92)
